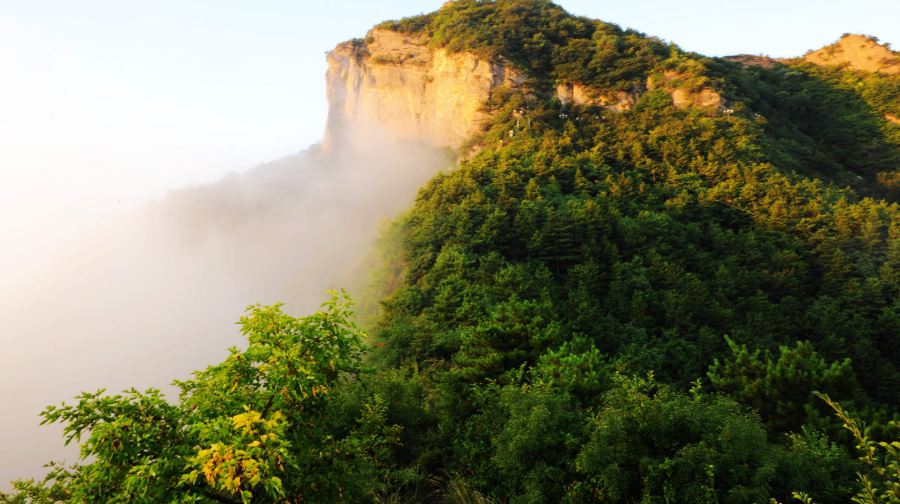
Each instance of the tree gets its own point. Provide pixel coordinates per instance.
(879, 483)
(781, 389)
(250, 429)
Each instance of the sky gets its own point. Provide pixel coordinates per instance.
(105, 104)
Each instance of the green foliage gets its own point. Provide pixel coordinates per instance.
(824, 121)
(577, 367)
(649, 443)
(653, 253)
(781, 390)
(582, 244)
(880, 483)
(542, 39)
(243, 451)
(534, 449)
(250, 429)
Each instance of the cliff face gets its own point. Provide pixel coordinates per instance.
(395, 83)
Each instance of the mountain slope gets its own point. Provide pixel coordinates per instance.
(740, 170)
(632, 288)
(726, 236)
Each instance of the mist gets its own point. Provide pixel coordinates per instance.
(153, 293)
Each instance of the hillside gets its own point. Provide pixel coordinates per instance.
(857, 52)
(654, 277)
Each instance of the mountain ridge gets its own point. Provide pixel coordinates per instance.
(412, 80)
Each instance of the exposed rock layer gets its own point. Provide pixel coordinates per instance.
(394, 82)
(579, 94)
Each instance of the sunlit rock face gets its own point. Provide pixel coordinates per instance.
(858, 52)
(409, 91)
(582, 95)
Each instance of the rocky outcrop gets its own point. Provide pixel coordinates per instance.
(858, 52)
(579, 94)
(620, 101)
(395, 84)
(685, 95)
(704, 98)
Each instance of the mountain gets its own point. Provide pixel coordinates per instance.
(627, 208)
(654, 276)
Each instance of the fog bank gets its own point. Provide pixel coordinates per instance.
(154, 293)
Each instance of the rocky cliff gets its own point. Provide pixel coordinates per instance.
(398, 85)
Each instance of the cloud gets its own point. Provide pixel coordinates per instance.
(154, 293)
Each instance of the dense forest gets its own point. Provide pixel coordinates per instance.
(664, 304)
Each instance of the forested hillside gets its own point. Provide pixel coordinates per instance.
(683, 289)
